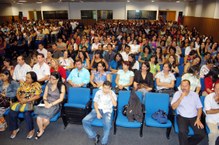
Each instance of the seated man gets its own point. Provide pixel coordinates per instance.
(189, 110)
(104, 100)
(41, 69)
(80, 76)
(21, 69)
(212, 114)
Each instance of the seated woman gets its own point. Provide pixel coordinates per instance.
(195, 61)
(210, 80)
(174, 69)
(116, 63)
(7, 65)
(143, 80)
(85, 60)
(154, 66)
(97, 58)
(56, 67)
(53, 96)
(49, 58)
(134, 64)
(145, 55)
(27, 93)
(66, 62)
(125, 77)
(193, 77)
(99, 76)
(165, 80)
(8, 87)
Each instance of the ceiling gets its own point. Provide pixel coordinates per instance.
(34, 1)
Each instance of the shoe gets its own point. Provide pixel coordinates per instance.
(37, 136)
(97, 139)
(15, 134)
(30, 134)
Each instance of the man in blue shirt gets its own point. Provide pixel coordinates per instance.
(80, 76)
(189, 109)
(104, 101)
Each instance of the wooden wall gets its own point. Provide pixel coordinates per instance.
(207, 26)
(4, 19)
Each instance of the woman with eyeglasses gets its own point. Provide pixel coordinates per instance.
(28, 92)
(53, 96)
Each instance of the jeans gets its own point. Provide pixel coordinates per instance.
(13, 120)
(106, 125)
(214, 133)
(183, 124)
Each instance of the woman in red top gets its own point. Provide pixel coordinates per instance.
(210, 80)
(56, 67)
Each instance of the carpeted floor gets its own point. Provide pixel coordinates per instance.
(55, 134)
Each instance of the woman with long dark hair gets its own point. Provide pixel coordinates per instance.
(116, 63)
(53, 96)
(143, 79)
(8, 88)
(134, 64)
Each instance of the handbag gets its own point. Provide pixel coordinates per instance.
(160, 116)
(3, 124)
(4, 102)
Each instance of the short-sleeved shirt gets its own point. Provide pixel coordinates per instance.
(154, 68)
(41, 71)
(189, 105)
(194, 81)
(114, 64)
(100, 78)
(169, 79)
(104, 101)
(124, 77)
(21, 71)
(210, 103)
(79, 77)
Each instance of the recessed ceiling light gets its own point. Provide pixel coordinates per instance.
(177, 1)
(22, 1)
(152, 1)
(39, 2)
(128, 1)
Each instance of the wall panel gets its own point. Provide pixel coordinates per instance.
(207, 26)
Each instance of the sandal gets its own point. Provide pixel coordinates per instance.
(38, 136)
(14, 133)
(30, 134)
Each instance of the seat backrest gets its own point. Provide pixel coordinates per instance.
(123, 98)
(178, 81)
(202, 80)
(78, 95)
(113, 80)
(181, 69)
(156, 101)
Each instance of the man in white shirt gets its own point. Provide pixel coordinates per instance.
(42, 50)
(21, 69)
(104, 101)
(189, 109)
(95, 45)
(41, 69)
(125, 54)
(212, 114)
